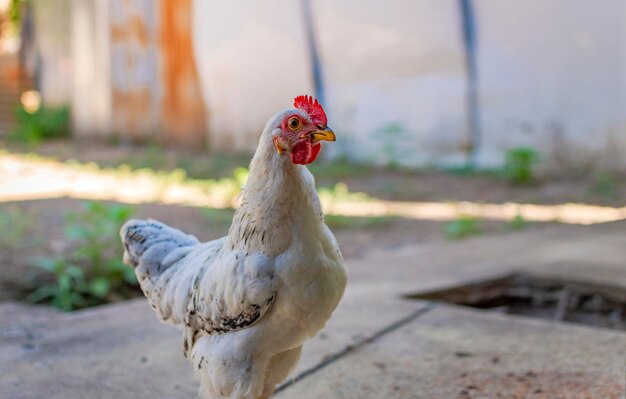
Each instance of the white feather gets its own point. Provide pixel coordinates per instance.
(279, 272)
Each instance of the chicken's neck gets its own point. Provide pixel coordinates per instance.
(278, 203)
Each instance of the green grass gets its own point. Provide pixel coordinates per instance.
(341, 222)
(463, 227)
(519, 166)
(518, 223)
(605, 185)
(45, 123)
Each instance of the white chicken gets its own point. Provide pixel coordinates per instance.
(246, 302)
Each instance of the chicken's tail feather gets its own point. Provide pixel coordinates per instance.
(148, 242)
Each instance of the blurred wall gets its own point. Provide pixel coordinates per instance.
(253, 61)
(134, 60)
(395, 79)
(134, 71)
(552, 76)
(209, 73)
(53, 63)
(393, 73)
(92, 112)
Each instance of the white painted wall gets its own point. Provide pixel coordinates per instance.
(553, 77)
(393, 72)
(91, 78)
(252, 62)
(395, 79)
(53, 41)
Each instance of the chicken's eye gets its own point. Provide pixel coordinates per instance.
(294, 123)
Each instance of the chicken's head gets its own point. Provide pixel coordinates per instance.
(300, 131)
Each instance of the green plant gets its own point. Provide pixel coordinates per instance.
(605, 185)
(519, 165)
(44, 123)
(15, 15)
(92, 272)
(518, 223)
(358, 222)
(65, 291)
(96, 231)
(462, 227)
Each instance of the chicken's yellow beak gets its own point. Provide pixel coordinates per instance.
(325, 134)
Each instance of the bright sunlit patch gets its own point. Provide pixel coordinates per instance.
(24, 178)
(443, 211)
(31, 101)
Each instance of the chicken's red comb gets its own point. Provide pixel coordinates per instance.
(312, 107)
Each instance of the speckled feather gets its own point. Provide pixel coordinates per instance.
(247, 301)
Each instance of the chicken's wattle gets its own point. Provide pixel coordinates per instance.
(305, 152)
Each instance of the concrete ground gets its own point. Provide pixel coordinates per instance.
(379, 344)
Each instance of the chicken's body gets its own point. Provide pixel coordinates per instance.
(246, 301)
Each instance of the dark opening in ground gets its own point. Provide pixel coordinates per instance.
(544, 298)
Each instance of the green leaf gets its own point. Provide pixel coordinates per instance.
(129, 276)
(98, 254)
(87, 252)
(48, 264)
(47, 291)
(518, 223)
(94, 207)
(119, 213)
(462, 227)
(76, 232)
(519, 165)
(74, 272)
(99, 287)
(65, 282)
